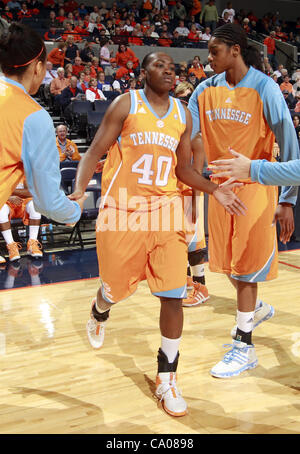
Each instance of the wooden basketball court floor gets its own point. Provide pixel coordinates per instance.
(53, 382)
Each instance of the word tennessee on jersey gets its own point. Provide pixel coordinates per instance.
(143, 160)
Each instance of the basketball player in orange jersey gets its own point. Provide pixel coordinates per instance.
(242, 108)
(27, 144)
(20, 205)
(148, 135)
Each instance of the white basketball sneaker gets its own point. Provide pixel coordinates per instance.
(169, 395)
(95, 330)
(240, 358)
(262, 313)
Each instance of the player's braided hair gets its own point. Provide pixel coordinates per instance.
(231, 34)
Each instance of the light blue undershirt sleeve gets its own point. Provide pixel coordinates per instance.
(194, 109)
(276, 173)
(41, 164)
(280, 121)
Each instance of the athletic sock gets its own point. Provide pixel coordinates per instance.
(100, 316)
(7, 235)
(33, 232)
(170, 347)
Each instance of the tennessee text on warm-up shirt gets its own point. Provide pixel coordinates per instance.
(246, 117)
(143, 159)
(27, 145)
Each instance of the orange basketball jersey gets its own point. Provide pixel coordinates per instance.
(142, 161)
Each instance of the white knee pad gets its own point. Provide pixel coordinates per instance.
(4, 213)
(33, 214)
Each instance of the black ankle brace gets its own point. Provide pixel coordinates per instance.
(100, 317)
(164, 365)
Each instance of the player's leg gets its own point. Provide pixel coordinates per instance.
(253, 259)
(5, 227)
(121, 258)
(171, 323)
(262, 311)
(34, 248)
(195, 237)
(166, 275)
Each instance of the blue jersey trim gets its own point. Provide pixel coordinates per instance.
(144, 98)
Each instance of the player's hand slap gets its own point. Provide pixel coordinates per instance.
(237, 167)
(230, 201)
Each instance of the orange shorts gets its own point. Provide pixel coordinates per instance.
(128, 257)
(19, 211)
(195, 234)
(245, 247)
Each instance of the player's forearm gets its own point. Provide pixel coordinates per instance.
(193, 178)
(276, 173)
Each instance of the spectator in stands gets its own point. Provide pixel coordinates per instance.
(225, 19)
(112, 69)
(182, 29)
(296, 86)
(72, 50)
(70, 5)
(297, 98)
(95, 68)
(267, 67)
(196, 10)
(193, 36)
(125, 54)
(164, 40)
(68, 95)
(104, 54)
(197, 69)
(183, 91)
(87, 53)
(68, 70)
(192, 79)
(271, 45)
(70, 20)
(61, 16)
(67, 149)
(289, 99)
(87, 73)
(209, 15)
(13, 5)
(52, 21)
(77, 67)
(80, 30)
(177, 40)
(121, 85)
(206, 35)
(278, 71)
(50, 75)
(24, 12)
(103, 10)
(57, 55)
(274, 77)
(82, 11)
(59, 83)
(52, 35)
(95, 13)
(93, 93)
(81, 84)
(296, 121)
(179, 12)
(286, 85)
(284, 72)
(102, 83)
(146, 6)
(140, 81)
(230, 11)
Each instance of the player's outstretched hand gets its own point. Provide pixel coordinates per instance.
(79, 197)
(238, 167)
(228, 199)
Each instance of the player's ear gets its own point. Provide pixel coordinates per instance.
(236, 50)
(143, 72)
